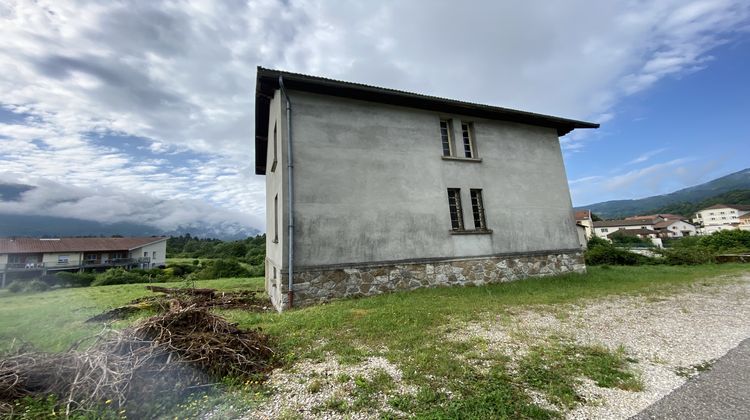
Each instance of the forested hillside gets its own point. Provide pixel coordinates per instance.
(689, 209)
(696, 195)
(251, 250)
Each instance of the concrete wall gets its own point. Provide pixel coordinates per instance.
(677, 228)
(160, 248)
(276, 181)
(719, 217)
(582, 238)
(370, 185)
(327, 283)
(50, 259)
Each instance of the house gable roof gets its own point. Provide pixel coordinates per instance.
(632, 222)
(583, 215)
(743, 207)
(665, 216)
(267, 82)
(666, 223)
(19, 245)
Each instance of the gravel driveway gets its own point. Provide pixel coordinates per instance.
(672, 338)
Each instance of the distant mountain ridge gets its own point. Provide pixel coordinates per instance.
(684, 199)
(51, 226)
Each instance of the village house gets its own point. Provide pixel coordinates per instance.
(370, 190)
(24, 256)
(584, 219)
(745, 221)
(604, 228)
(650, 226)
(720, 217)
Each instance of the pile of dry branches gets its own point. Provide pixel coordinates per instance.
(159, 359)
(248, 300)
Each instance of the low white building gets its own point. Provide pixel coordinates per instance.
(605, 228)
(26, 255)
(720, 217)
(584, 219)
(662, 226)
(675, 229)
(745, 221)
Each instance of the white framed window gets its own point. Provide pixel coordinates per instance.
(63, 259)
(275, 147)
(454, 206)
(605, 230)
(276, 219)
(446, 137)
(477, 209)
(467, 133)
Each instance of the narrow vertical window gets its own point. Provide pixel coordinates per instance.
(454, 205)
(275, 148)
(468, 136)
(477, 209)
(276, 219)
(445, 136)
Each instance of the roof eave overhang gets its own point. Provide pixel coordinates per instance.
(156, 240)
(267, 82)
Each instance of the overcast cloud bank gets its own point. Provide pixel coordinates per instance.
(137, 105)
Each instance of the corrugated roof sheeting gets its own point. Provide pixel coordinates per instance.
(19, 245)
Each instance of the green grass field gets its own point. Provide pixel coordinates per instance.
(55, 319)
(408, 328)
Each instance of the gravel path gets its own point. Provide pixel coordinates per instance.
(721, 393)
(671, 337)
(303, 391)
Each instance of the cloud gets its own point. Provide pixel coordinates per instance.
(50, 198)
(178, 77)
(658, 178)
(646, 156)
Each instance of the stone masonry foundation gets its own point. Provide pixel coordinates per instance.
(320, 284)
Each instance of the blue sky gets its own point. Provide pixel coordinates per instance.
(683, 131)
(113, 107)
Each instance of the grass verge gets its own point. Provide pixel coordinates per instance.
(408, 329)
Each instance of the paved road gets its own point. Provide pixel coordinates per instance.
(723, 392)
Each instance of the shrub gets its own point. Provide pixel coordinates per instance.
(182, 270)
(608, 254)
(51, 280)
(257, 270)
(16, 287)
(119, 276)
(626, 240)
(75, 279)
(727, 240)
(220, 269)
(36, 286)
(688, 255)
(684, 242)
(595, 241)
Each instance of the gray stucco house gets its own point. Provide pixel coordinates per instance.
(390, 190)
